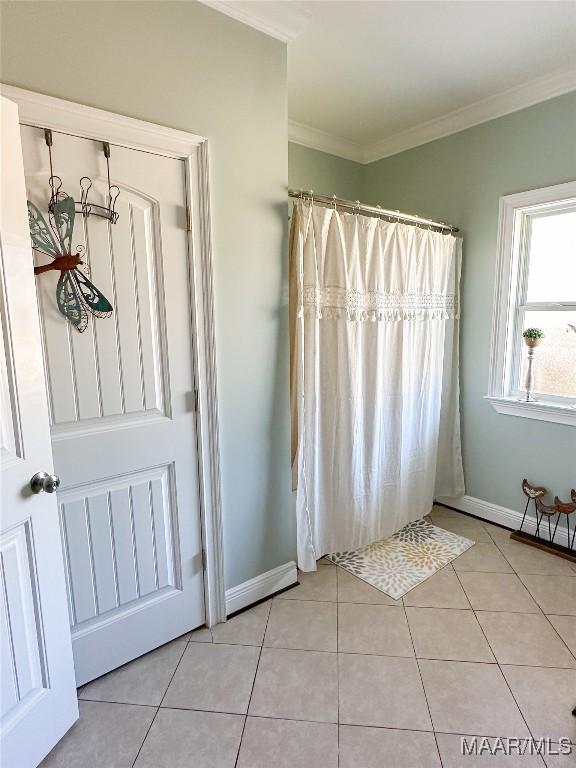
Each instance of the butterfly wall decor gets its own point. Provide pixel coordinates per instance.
(76, 296)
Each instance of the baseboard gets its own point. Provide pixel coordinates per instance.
(260, 587)
(494, 513)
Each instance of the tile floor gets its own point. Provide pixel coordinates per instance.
(335, 674)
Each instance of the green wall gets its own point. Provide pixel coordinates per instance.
(323, 173)
(186, 66)
(460, 179)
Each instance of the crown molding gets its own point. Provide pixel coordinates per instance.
(314, 138)
(512, 100)
(483, 111)
(281, 20)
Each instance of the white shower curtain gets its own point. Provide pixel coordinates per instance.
(374, 376)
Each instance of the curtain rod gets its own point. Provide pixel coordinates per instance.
(356, 205)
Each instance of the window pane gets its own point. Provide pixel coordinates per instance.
(552, 272)
(555, 360)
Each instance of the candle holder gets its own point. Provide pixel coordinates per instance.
(532, 338)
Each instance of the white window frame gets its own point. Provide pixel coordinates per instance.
(509, 304)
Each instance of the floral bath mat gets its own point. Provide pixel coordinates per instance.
(398, 564)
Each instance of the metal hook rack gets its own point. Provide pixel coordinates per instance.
(84, 205)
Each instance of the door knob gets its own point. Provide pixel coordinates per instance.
(42, 481)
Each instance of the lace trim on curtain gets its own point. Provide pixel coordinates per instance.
(334, 303)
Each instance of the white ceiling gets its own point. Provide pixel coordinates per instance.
(368, 79)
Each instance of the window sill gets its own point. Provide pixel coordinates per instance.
(541, 410)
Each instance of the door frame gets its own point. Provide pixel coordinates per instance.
(42, 111)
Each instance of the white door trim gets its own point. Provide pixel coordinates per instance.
(41, 111)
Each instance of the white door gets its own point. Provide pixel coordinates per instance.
(122, 407)
(38, 693)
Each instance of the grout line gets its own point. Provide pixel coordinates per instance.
(161, 700)
(485, 610)
(253, 684)
(560, 636)
(228, 643)
(545, 616)
(304, 600)
(124, 703)
(500, 549)
(342, 653)
(260, 717)
(196, 642)
(540, 613)
(383, 655)
(300, 600)
(499, 665)
(145, 736)
(421, 681)
(325, 722)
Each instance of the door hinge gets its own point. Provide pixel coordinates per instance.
(188, 219)
(203, 559)
(195, 400)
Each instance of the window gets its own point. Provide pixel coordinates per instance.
(536, 288)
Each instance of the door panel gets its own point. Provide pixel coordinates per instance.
(122, 408)
(38, 702)
(121, 374)
(22, 654)
(119, 543)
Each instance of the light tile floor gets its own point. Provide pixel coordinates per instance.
(335, 674)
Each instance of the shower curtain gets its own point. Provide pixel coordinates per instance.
(374, 376)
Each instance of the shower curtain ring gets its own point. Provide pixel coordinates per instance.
(334, 202)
